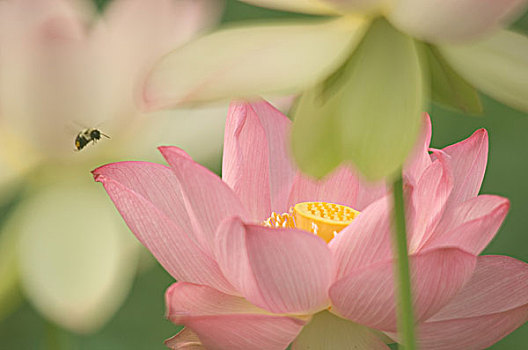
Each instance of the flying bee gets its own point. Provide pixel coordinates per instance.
(87, 135)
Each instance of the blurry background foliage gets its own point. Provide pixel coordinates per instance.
(140, 324)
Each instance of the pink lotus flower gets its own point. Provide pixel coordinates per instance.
(245, 285)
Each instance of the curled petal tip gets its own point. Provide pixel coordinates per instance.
(174, 151)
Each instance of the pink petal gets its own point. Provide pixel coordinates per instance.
(368, 193)
(474, 333)
(428, 201)
(498, 284)
(472, 224)
(467, 160)
(208, 200)
(453, 20)
(419, 159)
(223, 321)
(366, 241)
(491, 305)
(185, 340)
(367, 296)
(256, 164)
(148, 197)
(280, 270)
(340, 187)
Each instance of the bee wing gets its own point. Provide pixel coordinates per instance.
(75, 125)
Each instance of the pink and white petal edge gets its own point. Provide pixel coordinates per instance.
(156, 216)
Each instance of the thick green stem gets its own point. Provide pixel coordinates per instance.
(403, 279)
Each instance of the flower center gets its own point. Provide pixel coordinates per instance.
(323, 219)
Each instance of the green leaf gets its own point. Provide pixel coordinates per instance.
(367, 113)
(447, 87)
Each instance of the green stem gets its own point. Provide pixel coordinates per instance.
(404, 297)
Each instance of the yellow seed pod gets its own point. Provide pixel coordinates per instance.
(323, 219)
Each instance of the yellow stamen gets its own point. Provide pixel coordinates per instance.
(280, 220)
(323, 219)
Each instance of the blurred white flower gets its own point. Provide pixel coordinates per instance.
(64, 68)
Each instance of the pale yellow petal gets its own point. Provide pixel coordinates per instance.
(199, 131)
(497, 65)
(328, 331)
(251, 60)
(77, 260)
(305, 6)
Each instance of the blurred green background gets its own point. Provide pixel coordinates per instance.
(140, 324)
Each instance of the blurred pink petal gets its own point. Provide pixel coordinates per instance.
(148, 197)
(452, 20)
(259, 261)
(208, 200)
(427, 202)
(256, 164)
(491, 305)
(366, 296)
(172, 22)
(44, 43)
(223, 321)
(45, 22)
(472, 224)
(128, 28)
